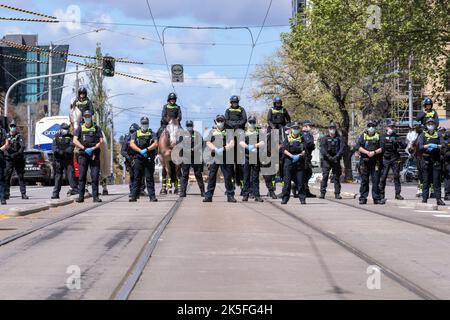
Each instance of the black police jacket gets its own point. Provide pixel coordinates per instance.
(331, 147)
(63, 146)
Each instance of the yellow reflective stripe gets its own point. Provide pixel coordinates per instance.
(144, 134)
(277, 111)
(235, 110)
(85, 129)
(376, 136)
(291, 138)
(433, 136)
(430, 114)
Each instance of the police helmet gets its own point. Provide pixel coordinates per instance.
(390, 123)
(87, 113)
(82, 90)
(294, 125)
(189, 123)
(172, 96)
(427, 102)
(277, 100)
(234, 99)
(144, 120)
(134, 127)
(307, 123)
(65, 126)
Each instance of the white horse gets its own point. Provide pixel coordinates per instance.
(105, 161)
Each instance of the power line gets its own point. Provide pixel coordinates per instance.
(254, 45)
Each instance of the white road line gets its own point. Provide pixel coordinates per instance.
(442, 215)
(426, 211)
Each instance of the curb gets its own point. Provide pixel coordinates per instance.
(331, 191)
(59, 203)
(15, 212)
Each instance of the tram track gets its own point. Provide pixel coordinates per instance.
(389, 272)
(41, 226)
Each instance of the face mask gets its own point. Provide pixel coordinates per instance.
(307, 129)
(64, 132)
(295, 132)
(88, 120)
(190, 129)
(13, 130)
(371, 130)
(390, 131)
(220, 125)
(145, 127)
(252, 125)
(332, 132)
(431, 127)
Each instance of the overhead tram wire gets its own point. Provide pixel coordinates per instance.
(253, 47)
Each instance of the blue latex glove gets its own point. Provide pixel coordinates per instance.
(251, 147)
(433, 145)
(219, 151)
(143, 152)
(89, 151)
(295, 158)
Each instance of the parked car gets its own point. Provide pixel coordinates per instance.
(38, 168)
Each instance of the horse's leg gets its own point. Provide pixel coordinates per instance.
(168, 171)
(164, 179)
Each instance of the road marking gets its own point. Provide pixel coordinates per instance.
(426, 211)
(442, 215)
(3, 217)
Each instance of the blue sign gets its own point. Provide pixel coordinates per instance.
(52, 131)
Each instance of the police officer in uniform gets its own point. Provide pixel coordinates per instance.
(332, 150)
(219, 143)
(129, 153)
(192, 140)
(252, 166)
(236, 118)
(171, 110)
(63, 150)
(369, 146)
(15, 160)
(309, 140)
(144, 143)
(428, 112)
(430, 144)
(277, 118)
(4, 145)
(294, 151)
(446, 164)
(390, 144)
(82, 101)
(88, 138)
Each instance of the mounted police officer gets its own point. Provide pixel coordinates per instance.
(192, 140)
(294, 151)
(219, 143)
(4, 145)
(88, 138)
(236, 119)
(129, 153)
(82, 101)
(144, 143)
(63, 151)
(428, 112)
(369, 146)
(171, 110)
(277, 118)
(332, 150)
(15, 160)
(430, 144)
(391, 144)
(252, 166)
(309, 140)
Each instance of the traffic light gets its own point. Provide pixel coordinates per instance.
(108, 66)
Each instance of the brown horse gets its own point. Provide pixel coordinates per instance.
(166, 143)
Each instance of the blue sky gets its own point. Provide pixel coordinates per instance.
(140, 43)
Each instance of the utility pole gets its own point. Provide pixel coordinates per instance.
(77, 81)
(410, 92)
(50, 71)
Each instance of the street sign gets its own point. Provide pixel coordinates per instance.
(177, 73)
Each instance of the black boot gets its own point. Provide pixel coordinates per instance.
(3, 201)
(105, 192)
(302, 201)
(273, 195)
(163, 191)
(55, 196)
(439, 202)
(399, 197)
(132, 199)
(245, 198)
(322, 196)
(447, 197)
(362, 201)
(182, 194)
(25, 197)
(258, 199)
(380, 201)
(80, 200)
(310, 195)
(284, 201)
(207, 199)
(231, 199)
(97, 199)
(153, 199)
(337, 196)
